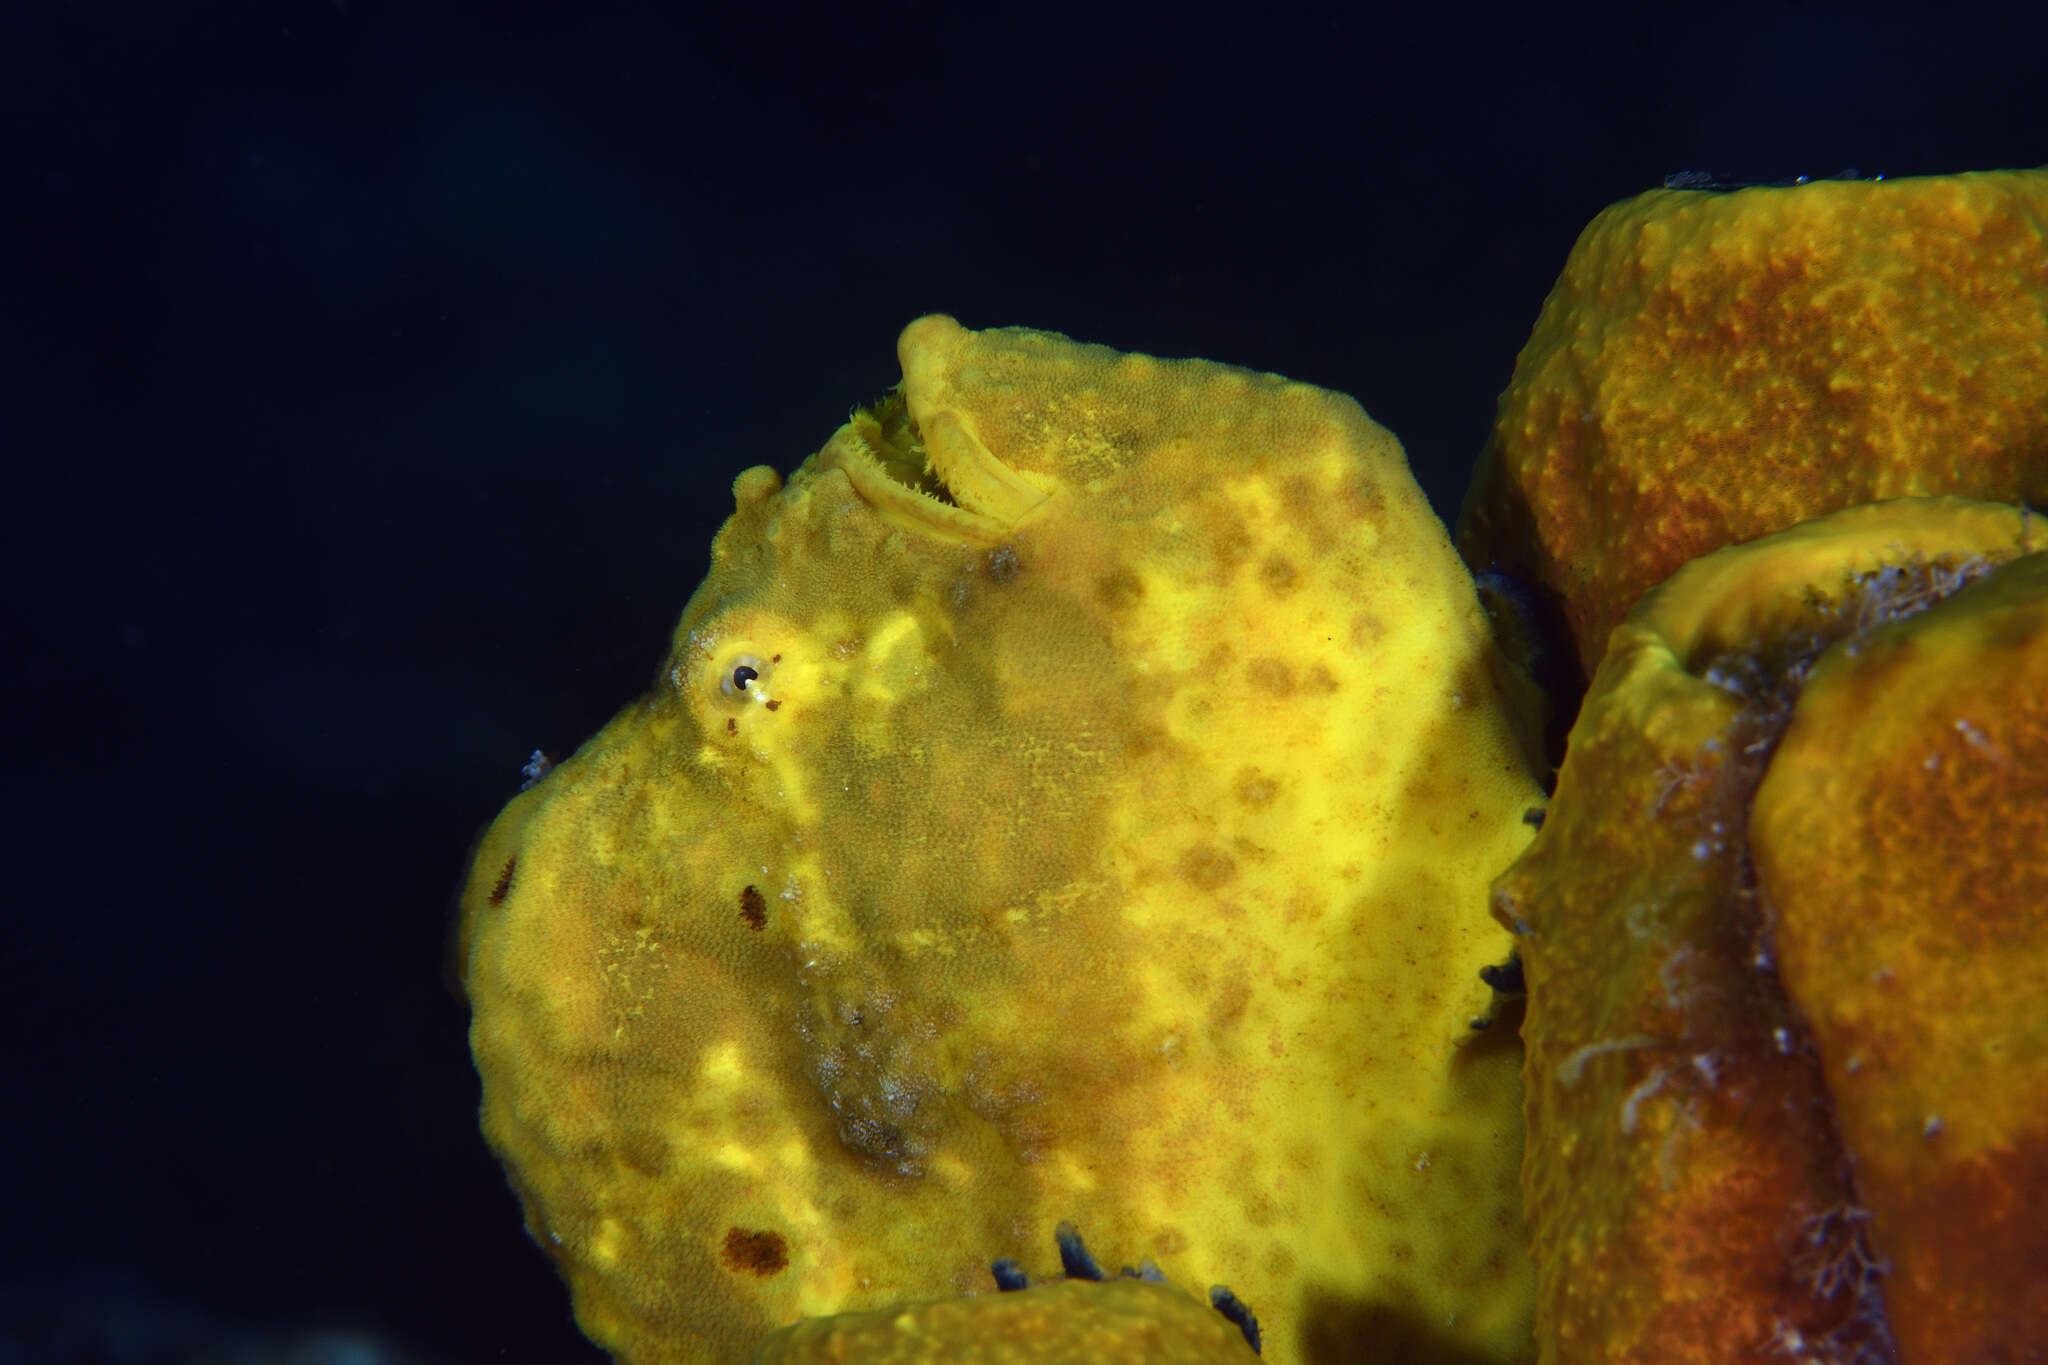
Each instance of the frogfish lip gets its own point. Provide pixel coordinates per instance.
(918, 458)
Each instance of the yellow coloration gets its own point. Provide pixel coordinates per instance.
(1899, 840)
(1075, 1322)
(1071, 796)
(1688, 1194)
(1712, 367)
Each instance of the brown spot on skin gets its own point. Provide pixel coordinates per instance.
(732, 727)
(1250, 850)
(1300, 906)
(761, 1254)
(775, 658)
(1119, 590)
(504, 886)
(1143, 742)
(1473, 683)
(644, 1152)
(1255, 788)
(1206, 867)
(1279, 575)
(1320, 514)
(1270, 676)
(1320, 679)
(774, 705)
(1366, 630)
(1220, 529)
(1227, 1005)
(1366, 500)
(754, 908)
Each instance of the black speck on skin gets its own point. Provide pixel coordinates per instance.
(504, 886)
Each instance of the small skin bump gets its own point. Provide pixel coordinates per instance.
(761, 1254)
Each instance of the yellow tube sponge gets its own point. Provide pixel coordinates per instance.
(1688, 1196)
(1072, 795)
(1712, 367)
(1901, 844)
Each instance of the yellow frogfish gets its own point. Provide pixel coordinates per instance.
(1072, 795)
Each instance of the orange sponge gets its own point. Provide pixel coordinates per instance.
(1712, 367)
(1899, 842)
(1687, 1192)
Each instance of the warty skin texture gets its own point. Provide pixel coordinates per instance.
(1106, 839)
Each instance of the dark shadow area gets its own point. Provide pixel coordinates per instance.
(1343, 1332)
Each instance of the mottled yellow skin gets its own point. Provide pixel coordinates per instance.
(1689, 1196)
(1901, 841)
(1711, 367)
(1075, 1322)
(1107, 841)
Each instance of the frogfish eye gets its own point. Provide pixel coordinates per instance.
(743, 676)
